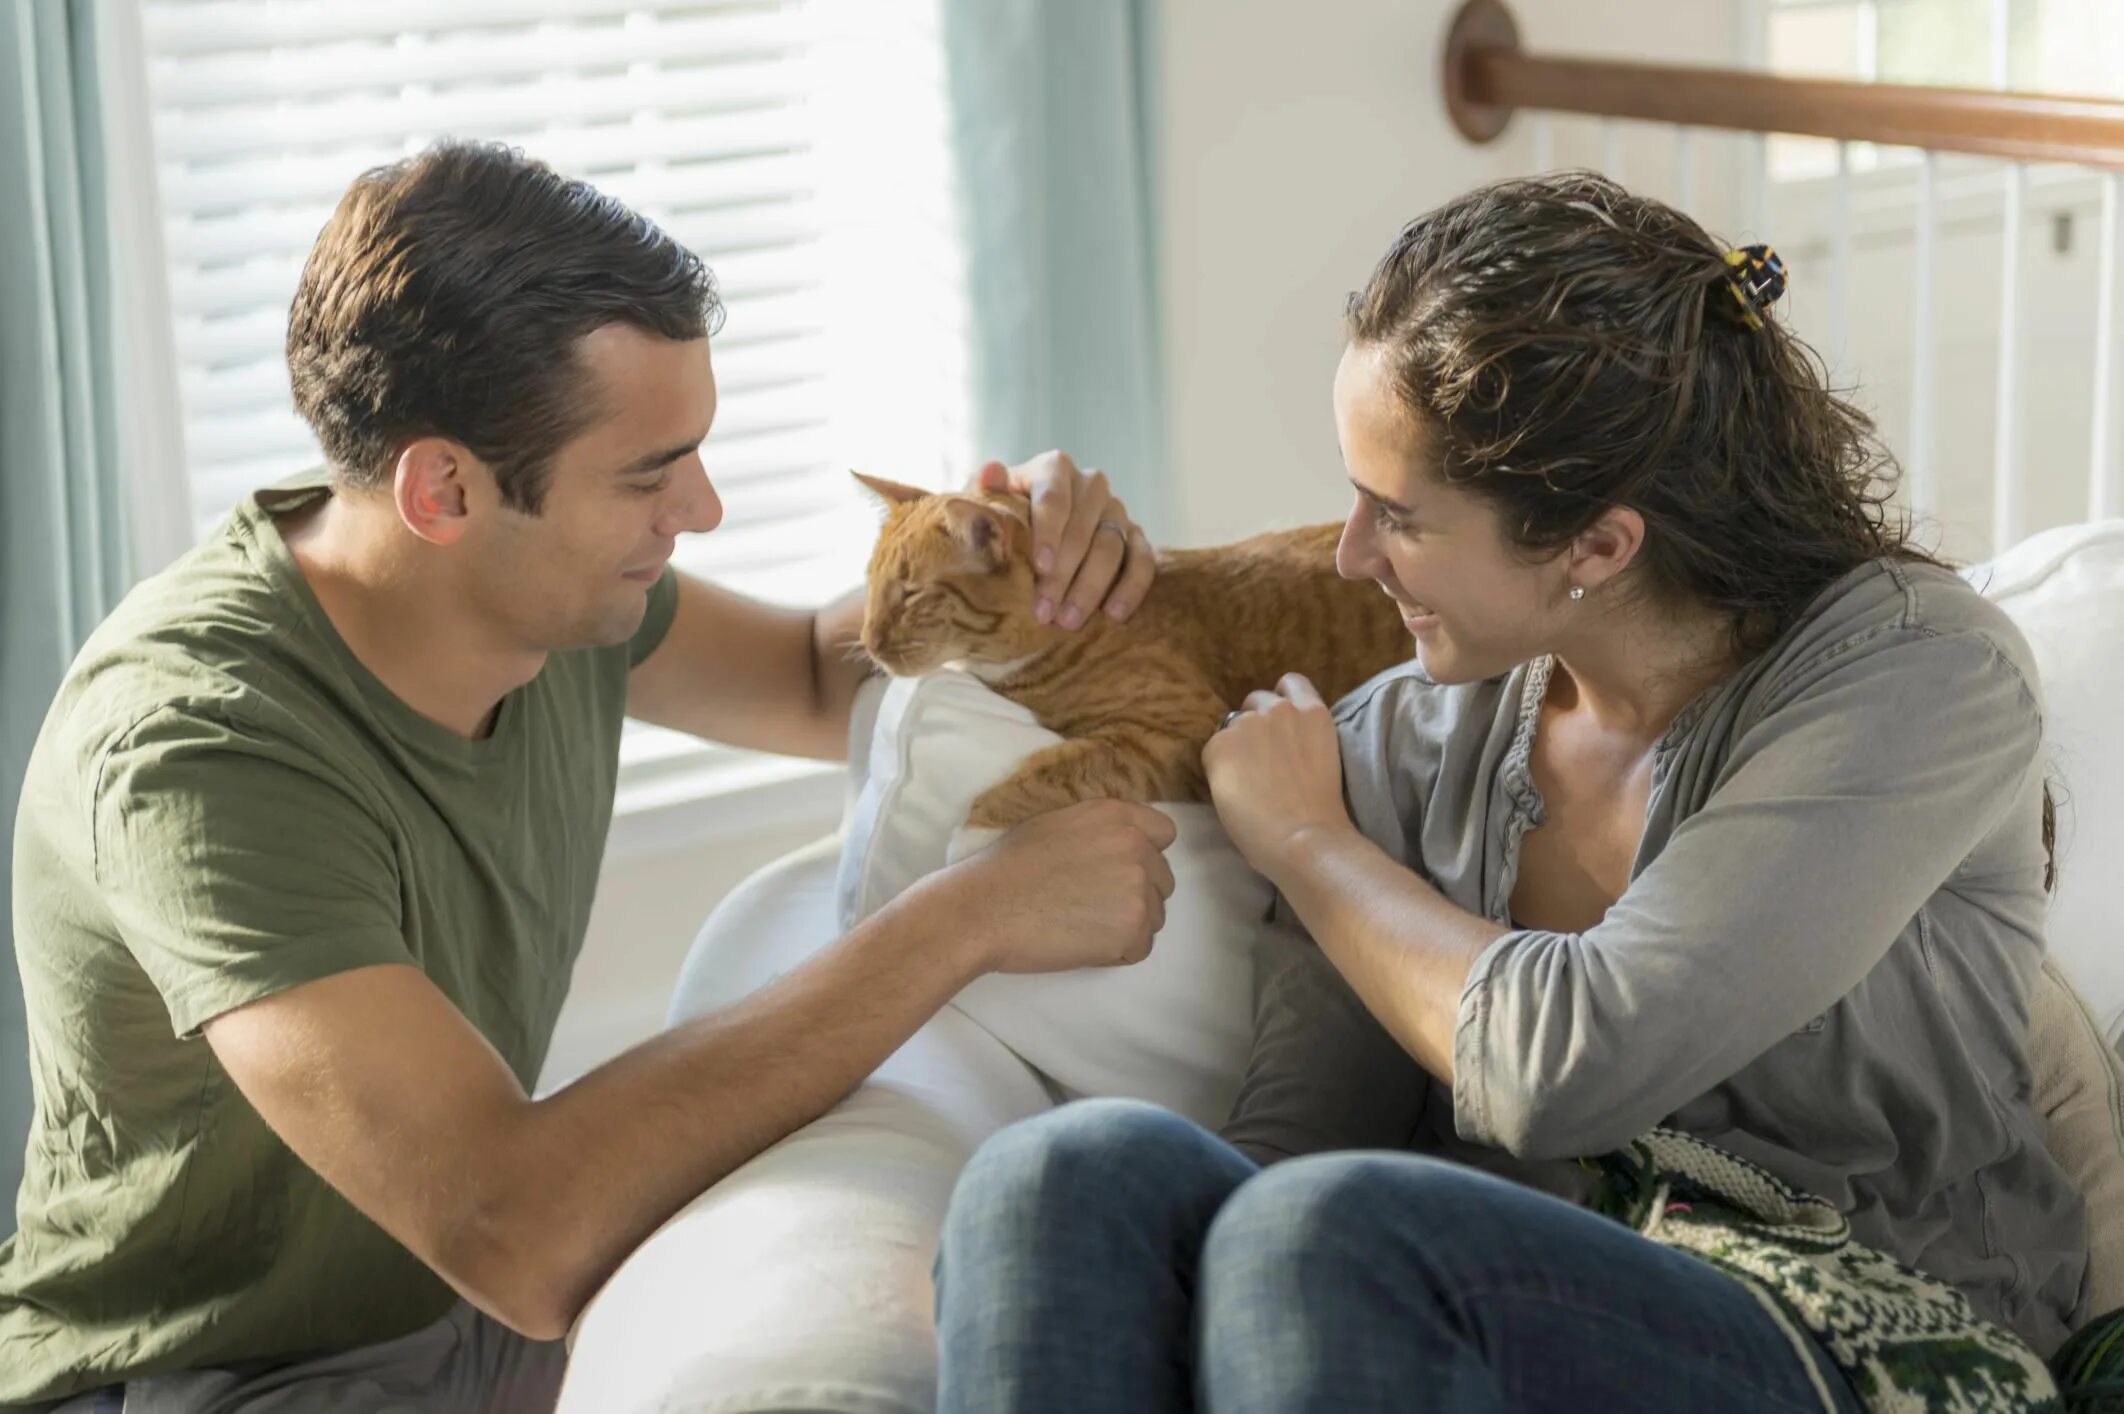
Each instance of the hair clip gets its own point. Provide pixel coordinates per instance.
(1756, 277)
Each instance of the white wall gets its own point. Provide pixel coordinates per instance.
(1296, 142)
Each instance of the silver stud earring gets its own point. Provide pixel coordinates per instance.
(1578, 591)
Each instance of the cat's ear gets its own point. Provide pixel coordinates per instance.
(980, 529)
(892, 493)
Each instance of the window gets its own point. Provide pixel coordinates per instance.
(799, 146)
(2052, 46)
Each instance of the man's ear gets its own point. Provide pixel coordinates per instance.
(428, 487)
(980, 529)
(892, 493)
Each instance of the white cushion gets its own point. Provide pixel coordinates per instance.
(2064, 589)
(932, 736)
(1173, 1029)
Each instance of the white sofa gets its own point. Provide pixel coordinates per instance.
(802, 1281)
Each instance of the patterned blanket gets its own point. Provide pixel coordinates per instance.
(1905, 1341)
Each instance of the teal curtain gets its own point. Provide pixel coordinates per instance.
(63, 559)
(1052, 122)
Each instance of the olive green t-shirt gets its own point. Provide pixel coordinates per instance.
(224, 803)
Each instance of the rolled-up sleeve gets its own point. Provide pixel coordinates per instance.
(1864, 784)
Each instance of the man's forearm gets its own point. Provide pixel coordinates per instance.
(608, 1159)
(838, 663)
(1405, 949)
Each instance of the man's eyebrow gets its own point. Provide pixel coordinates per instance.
(656, 459)
(1378, 500)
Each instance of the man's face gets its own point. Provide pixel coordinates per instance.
(619, 495)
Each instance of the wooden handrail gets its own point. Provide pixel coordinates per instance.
(1488, 76)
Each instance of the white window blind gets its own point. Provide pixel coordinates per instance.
(797, 145)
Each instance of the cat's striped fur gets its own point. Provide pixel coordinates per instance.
(951, 583)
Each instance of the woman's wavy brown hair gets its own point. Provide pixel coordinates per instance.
(1569, 346)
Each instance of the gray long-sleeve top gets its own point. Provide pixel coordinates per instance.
(1822, 961)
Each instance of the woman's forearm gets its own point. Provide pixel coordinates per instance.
(1405, 949)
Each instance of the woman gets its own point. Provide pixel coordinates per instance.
(1712, 803)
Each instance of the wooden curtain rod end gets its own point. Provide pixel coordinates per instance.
(1479, 25)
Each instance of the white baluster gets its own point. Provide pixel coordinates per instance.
(1685, 169)
(1544, 136)
(1758, 188)
(1755, 163)
(2105, 473)
(2005, 487)
(2005, 469)
(1611, 150)
(1840, 270)
(1923, 484)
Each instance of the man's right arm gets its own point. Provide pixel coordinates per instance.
(525, 1206)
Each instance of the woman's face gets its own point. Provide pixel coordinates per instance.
(1475, 607)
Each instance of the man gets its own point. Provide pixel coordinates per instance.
(329, 796)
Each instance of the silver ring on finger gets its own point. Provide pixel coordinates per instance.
(1115, 526)
(1230, 717)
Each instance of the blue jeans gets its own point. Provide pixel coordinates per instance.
(1112, 1256)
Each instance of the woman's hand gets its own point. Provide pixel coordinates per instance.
(1086, 550)
(1275, 773)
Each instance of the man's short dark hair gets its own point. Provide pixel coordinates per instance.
(446, 295)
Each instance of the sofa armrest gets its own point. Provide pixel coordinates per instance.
(802, 1280)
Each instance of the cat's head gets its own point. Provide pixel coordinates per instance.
(951, 579)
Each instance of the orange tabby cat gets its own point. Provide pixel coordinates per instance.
(952, 581)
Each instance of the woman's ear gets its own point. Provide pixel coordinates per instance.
(1605, 548)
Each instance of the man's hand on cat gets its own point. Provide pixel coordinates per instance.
(1079, 565)
(1275, 773)
(1084, 886)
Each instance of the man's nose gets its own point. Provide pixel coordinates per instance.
(698, 509)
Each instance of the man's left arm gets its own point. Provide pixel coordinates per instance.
(735, 670)
(755, 675)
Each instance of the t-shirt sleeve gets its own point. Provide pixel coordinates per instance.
(663, 607)
(235, 866)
